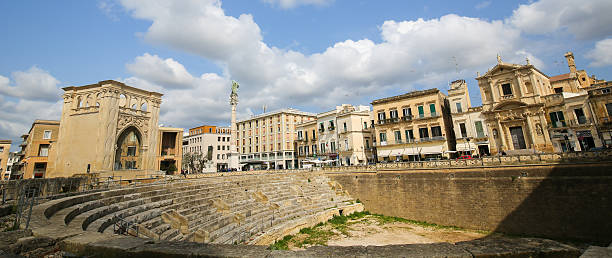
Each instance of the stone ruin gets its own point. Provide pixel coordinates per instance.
(234, 215)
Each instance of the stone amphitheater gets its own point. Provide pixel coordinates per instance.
(239, 214)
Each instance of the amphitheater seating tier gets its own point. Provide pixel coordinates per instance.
(230, 209)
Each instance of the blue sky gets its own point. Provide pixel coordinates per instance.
(308, 54)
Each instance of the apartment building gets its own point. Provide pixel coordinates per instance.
(600, 98)
(413, 126)
(468, 122)
(36, 148)
(337, 137)
(355, 135)
(213, 142)
(267, 141)
(13, 159)
(5, 155)
(306, 142)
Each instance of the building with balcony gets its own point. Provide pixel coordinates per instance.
(600, 100)
(267, 141)
(306, 143)
(342, 136)
(36, 149)
(468, 122)
(13, 160)
(170, 151)
(513, 109)
(5, 155)
(413, 126)
(213, 142)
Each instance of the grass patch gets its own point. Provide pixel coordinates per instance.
(282, 244)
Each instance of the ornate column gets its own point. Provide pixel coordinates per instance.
(233, 154)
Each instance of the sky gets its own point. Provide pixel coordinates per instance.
(306, 54)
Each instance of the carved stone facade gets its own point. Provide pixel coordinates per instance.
(513, 108)
(94, 117)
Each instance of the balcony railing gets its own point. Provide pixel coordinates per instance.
(581, 121)
(433, 138)
(331, 128)
(510, 96)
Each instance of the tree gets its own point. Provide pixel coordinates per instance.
(194, 162)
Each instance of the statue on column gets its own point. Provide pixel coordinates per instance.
(234, 94)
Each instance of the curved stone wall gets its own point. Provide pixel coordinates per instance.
(251, 209)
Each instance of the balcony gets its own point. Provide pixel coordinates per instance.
(554, 99)
(433, 138)
(581, 121)
(509, 96)
(331, 128)
(407, 118)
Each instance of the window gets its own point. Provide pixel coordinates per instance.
(559, 90)
(506, 89)
(333, 146)
(331, 125)
(365, 125)
(436, 131)
(606, 90)
(432, 109)
(43, 150)
(423, 133)
(367, 143)
(580, 116)
(344, 125)
(383, 137)
(299, 135)
(479, 130)
(609, 109)
(407, 112)
(314, 149)
(346, 145)
(321, 127)
(47, 135)
(218, 139)
(463, 130)
(398, 136)
(458, 104)
(393, 113)
(218, 147)
(557, 119)
(131, 151)
(382, 116)
(421, 111)
(409, 135)
(322, 147)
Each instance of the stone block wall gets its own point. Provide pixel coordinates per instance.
(553, 201)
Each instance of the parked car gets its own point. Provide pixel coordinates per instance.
(465, 157)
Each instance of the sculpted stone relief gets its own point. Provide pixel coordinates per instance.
(126, 120)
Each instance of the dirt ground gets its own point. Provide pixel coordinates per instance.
(370, 231)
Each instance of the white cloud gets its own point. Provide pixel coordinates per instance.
(412, 52)
(161, 71)
(587, 19)
(33, 84)
(601, 54)
(288, 4)
(109, 8)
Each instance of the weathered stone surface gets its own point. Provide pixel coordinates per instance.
(27, 244)
(597, 252)
(10, 237)
(517, 247)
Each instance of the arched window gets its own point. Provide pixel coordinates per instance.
(134, 106)
(87, 101)
(79, 102)
(128, 155)
(122, 100)
(143, 106)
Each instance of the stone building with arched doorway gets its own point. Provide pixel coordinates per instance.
(108, 128)
(513, 109)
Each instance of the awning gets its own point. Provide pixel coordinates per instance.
(384, 153)
(396, 152)
(432, 149)
(411, 151)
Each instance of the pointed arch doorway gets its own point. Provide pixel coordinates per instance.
(128, 150)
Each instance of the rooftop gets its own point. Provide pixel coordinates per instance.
(280, 111)
(408, 95)
(120, 84)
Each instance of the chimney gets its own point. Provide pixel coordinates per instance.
(570, 62)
